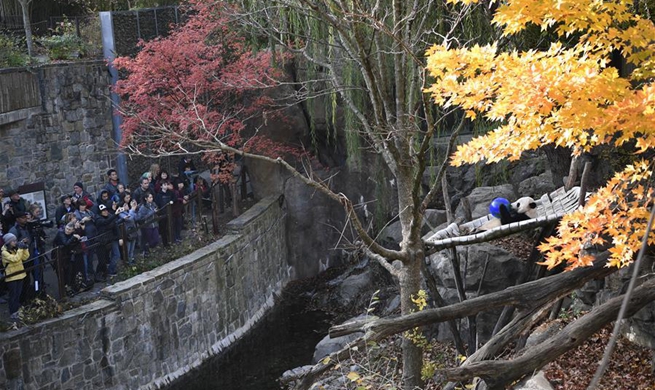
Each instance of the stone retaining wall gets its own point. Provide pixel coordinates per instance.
(153, 328)
(60, 131)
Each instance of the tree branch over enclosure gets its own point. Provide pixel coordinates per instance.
(498, 373)
(526, 296)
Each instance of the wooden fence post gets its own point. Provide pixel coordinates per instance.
(60, 274)
(198, 214)
(169, 218)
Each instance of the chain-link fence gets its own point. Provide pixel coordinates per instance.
(14, 24)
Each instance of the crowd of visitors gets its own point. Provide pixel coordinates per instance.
(92, 231)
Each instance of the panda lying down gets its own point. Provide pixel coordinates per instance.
(523, 209)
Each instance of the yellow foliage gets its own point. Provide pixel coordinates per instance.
(353, 376)
(566, 96)
(420, 299)
(616, 214)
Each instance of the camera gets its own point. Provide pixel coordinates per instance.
(36, 229)
(39, 224)
(21, 245)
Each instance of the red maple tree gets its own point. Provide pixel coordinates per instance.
(198, 89)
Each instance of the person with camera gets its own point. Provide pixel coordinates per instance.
(14, 253)
(13, 207)
(31, 234)
(72, 257)
(86, 221)
(128, 218)
(179, 208)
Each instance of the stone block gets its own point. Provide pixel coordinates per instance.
(12, 362)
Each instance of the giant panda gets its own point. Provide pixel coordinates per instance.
(521, 210)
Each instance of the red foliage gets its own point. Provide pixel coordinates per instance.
(200, 84)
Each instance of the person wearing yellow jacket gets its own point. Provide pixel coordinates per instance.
(13, 256)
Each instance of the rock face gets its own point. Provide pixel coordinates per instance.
(314, 222)
(640, 328)
(480, 198)
(537, 185)
(351, 288)
(328, 345)
(503, 269)
(536, 382)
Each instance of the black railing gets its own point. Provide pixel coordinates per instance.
(35, 267)
(197, 202)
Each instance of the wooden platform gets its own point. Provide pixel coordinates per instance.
(550, 207)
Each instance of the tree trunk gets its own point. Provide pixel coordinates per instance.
(24, 5)
(410, 283)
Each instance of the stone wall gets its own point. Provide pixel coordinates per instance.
(155, 327)
(64, 138)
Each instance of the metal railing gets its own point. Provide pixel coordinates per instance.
(56, 258)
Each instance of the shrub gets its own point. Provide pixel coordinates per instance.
(64, 44)
(10, 54)
(92, 36)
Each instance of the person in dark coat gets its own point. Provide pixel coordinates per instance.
(12, 207)
(165, 198)
(107, 233)
(146, 215)
(66, 207)
(103, 198)
(69, 244)
(86, 220)
(112, 182)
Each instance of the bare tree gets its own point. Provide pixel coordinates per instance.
(25, 7)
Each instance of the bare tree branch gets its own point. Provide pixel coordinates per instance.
(526, 296)
(497, 373)
(636, 267)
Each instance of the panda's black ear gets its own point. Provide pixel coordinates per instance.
(532, 205)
